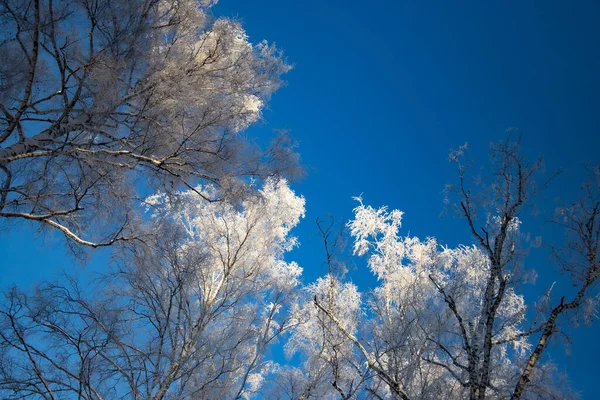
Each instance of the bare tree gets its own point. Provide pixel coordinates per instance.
(492, 214)
(500, 202)
(104, 98)
(580, 259)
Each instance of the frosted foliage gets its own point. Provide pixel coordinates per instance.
(215, 76)
(409, 320)
(326, 353)
(237, 250)
(127, 94)
(242, 240)
(513, 225)
(369, 222)
(192, 312)
(464, 274)
(256, 380)
(342, 300)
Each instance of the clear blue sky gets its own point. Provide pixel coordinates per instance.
(382, 89)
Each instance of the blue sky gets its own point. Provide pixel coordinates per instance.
(380, 92)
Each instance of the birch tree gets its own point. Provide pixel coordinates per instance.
(579, 259)
(333, 370)
(190, 317)
(492, 214)
(452, 322)
(104, 98)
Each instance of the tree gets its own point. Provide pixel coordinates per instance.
(107, 100)
(333, 370)
(451, 323)
(330, 369)
(193, 310)
(512, 186)
(189, 316)
(580, 259)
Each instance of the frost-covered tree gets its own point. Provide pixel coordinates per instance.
(328, 366)
(453, 322)
(104, 98)
(492, 209)
(426, 310)
(332, 369)
(190, 316)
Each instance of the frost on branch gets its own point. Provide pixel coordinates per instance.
(256, 228)
(142, 93)
(190, 315)
(422, 332)
(328, 359)
(450, 322)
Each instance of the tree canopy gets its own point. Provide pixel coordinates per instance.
(107, 98)
(123, 125)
